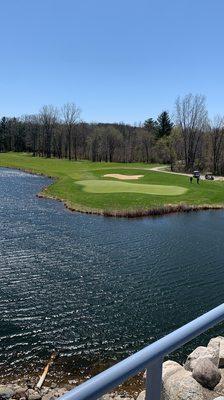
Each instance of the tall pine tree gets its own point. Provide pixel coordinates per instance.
(164, 125)
(151, 126)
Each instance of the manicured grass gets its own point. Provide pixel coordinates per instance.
(103, 186)
(67, 188)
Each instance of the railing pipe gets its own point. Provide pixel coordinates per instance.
(145, 358)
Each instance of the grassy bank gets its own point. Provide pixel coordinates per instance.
(82, 186)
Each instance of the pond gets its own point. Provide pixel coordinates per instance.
(93, 288)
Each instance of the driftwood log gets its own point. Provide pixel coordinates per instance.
(46, 369)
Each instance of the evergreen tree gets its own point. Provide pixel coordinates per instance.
(3, 134)
(164, 125)
(150, 125)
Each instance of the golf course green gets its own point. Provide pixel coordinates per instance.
(103, 186)
(82, 186)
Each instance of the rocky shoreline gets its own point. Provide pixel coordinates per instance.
(28, 391)
(201, 377)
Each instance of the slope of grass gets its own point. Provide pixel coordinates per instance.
(68, 174)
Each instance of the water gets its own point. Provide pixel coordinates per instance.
(93, 288)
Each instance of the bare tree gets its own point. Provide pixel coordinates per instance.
(146, 140)
(31, 123)
(217, 141)
(57, 142)
(103, 143)
(192, 117)
(95, 145)
(111, 140)
(71, 115)
(48, 119)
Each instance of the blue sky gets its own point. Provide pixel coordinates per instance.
(119, 60)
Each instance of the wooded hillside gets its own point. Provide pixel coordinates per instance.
(190, 141)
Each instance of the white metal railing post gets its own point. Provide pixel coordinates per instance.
(154, 380)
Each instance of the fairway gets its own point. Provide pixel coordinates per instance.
(103, 186)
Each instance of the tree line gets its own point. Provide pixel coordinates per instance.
(186, 141)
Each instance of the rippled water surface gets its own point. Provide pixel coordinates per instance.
(94, 288)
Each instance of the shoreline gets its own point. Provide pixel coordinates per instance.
(152, 212)
(201, 376)
(129, 389)
(167, 209)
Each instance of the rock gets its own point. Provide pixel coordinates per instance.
(73, 382)
(141, 396)
(219, 389)
(33, 395)
(219, 398)
(202, 352)
(59, 392)
(6, 391)
(206, 373)
(178, 384)
(44, 390)
(48, 396)
(217, 343)
(54, 393)
(18, 390)
(29, 383)
(53, 385)
(170, 368)
(20, 394)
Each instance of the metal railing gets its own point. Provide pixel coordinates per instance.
(149, 358)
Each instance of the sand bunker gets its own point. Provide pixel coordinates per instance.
(123, 177)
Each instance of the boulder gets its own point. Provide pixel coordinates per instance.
(141, 396)
(178, 384)
(20, 394)
(6, 391)
(170, 368)
(33, 394)
(219, 389)
(19, 390)
(217, 343)
(206, 373)
(210, 353)
(53, 385)
(44, 390)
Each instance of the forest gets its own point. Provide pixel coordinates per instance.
(187, 140)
